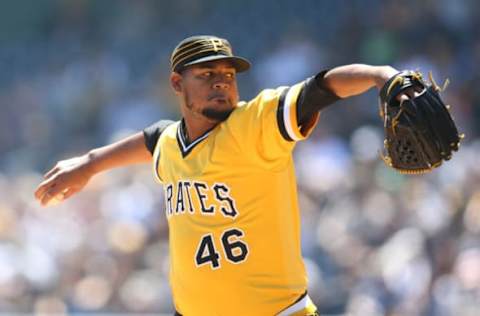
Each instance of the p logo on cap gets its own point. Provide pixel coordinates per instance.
(203, 48)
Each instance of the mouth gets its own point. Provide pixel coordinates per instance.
(218, 98)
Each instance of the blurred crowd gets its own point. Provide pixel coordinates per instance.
(80, 74)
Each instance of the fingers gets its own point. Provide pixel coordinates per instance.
(50, 199)
(43, 187)
(46, 196)
(410, 93)
(54, 201)
(70, 192)
(59, 182)
(45, 199)
(413, 92)
(402, 97)
(56, 191)
(51, 172)
(49, 189)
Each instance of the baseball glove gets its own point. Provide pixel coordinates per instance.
(419, 132)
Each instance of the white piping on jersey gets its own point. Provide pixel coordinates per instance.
(298, 306)
(187, 148)
(289, 125)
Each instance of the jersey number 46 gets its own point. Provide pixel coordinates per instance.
(235, 250)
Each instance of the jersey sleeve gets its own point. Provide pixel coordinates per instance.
(152, 133)
(288, 109)
(267, 128)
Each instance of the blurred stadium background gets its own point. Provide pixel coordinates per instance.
(79, 74)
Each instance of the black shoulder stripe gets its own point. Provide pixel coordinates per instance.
(280, 120)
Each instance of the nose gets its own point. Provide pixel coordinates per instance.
(220, 85)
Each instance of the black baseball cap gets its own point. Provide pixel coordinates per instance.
(202, 48)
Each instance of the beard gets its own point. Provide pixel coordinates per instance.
(216, 115)
(211, 113)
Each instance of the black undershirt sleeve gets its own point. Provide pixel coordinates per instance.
(314, 97)
(153, 132)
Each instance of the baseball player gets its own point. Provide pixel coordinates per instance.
(228, 177)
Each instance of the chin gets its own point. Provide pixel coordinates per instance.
(217, 115)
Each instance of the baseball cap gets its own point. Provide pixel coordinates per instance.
(202, 48)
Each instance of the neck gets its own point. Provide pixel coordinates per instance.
(196, 128)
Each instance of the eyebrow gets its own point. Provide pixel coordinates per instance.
(209, 65)
(213, 68)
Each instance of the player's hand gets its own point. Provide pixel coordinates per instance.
(64, 180)
(410, 93)
(387, 72)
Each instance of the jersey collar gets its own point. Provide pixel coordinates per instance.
(183, 143)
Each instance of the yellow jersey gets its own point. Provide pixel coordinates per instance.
(232, 210)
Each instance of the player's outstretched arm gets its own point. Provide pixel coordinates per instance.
(342, 82)
(70, 176)
(354, 79)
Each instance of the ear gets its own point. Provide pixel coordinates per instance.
(176, 82)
